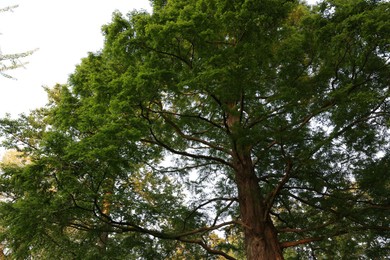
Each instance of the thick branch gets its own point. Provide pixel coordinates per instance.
(300, 242)
(275, 192)
(309, 240)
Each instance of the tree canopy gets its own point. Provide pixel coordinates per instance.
(212, 129)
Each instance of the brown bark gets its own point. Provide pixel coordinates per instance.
(2, 255)
(261, 241)
(105, 210)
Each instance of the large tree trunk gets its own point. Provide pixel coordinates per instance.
(261, 242)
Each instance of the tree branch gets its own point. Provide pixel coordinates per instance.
(275, 192)
(191, 138)
(300, 242)
(157, 141)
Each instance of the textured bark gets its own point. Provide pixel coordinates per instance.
(106, 206)
(261, 242)
(2, 255)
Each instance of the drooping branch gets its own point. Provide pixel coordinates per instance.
(194, 139)
(174, 169)
(206, 203)
(214, 251)
(157, 141)
(182, 237)
(312, 204)
(170, 54)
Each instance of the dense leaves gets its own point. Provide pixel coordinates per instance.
(207, 126)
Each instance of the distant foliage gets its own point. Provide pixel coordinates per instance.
(11, 61)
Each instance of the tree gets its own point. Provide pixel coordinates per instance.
(11, 61)
(273, 117)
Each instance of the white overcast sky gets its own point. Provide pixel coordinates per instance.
(64, 31)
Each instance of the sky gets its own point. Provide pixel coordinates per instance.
(63, 31)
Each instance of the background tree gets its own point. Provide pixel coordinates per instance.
(263, 120)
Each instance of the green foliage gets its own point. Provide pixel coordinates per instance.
(135, 158)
